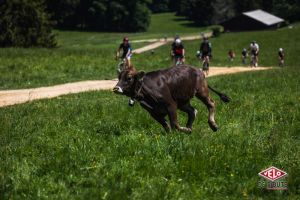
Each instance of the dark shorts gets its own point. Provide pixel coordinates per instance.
(124, 55)
(178, 56)
(204, 54)
(254, 53)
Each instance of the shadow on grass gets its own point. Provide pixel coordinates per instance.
(186, 22)
(191, 24)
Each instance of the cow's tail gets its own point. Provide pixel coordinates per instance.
(222, 96)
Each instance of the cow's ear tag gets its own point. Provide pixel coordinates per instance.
(140, 75)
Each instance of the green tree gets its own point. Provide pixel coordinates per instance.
(62, 11)
(158, 6)
(105, 15)
(201, 11)
(222, 10)
(139, 18)
(247, 5)
(287, 9)
(24, 23)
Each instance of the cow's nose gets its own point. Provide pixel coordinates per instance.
(118, 89)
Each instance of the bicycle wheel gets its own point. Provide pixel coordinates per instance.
(205, 66)
(120, 67)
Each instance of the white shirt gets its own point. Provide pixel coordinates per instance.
(254, 47)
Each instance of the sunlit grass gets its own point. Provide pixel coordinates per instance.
(90, 56)
(92, 145)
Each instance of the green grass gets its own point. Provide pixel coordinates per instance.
(90, 56)
(94, 146)
(165, 24)
(80, 56)
(269, 42)
(169, 24)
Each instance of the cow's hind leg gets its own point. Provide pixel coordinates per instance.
(211, 110)
(173, 119)
(192, 112)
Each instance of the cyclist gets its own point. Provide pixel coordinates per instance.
(178, 52)
(244, 55)
(126, 51)
(231, 55)
(254, 49)
(126, 55)
(205, 52)
(174, 42)
(281, 57)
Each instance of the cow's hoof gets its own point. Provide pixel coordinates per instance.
(185, 129)
(167, 129)
(213, 126)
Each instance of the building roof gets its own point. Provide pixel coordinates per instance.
(263, 17)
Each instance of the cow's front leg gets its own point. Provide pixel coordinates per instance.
(173, 119)
(160, 118)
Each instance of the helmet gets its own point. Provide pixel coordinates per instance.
(280, 49)
(177, 41)
(244, 49)
(125, 39)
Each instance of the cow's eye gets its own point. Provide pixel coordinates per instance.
(129, 78)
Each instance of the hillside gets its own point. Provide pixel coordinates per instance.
(94, 146)
(90, 56)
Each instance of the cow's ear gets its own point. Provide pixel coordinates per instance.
(140, 75)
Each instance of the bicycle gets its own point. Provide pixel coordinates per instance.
(281, 62)
(205, 61)
(178, 60)
(244, 59)
(121, 65)
(253, 62)
(205, 65)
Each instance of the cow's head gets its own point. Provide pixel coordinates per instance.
(128, 80)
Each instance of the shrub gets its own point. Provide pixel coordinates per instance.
(217, 30)
(24, 24)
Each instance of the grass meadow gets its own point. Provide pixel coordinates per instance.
(87, 56)
(80, 55)
(93, 146)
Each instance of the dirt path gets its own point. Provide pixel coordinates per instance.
(12, 97)
(160, 42)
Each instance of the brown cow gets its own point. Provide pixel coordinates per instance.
(162, 92)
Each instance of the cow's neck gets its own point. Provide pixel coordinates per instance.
(137, 91)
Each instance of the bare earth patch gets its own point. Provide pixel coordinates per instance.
(12, 97)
